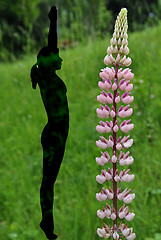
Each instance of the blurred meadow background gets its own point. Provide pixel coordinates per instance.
(84, 31)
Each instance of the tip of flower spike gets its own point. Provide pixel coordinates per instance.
(116, 53)
(123, 11)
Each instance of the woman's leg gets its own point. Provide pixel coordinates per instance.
(52, 158)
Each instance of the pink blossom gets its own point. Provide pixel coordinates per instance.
(99, 232)
(129, 160)
(107, 73)
(113, 216)
(120, 196)
(114, 159)
(108, 84)
(101, 196)
(100, 129)
(108, 213)
(115, 236)
(126, 98)
(110, 193)
(119, 74)
(103, 112)
(105, 85)
(102, 99)
(115, 128)
(107, 60)
(132, 236)
(101, 85)
(104, 159)
(118, 146)
(110, 196)
(121, 215)
(117, 178)
(118, 58)
(122, 85)
(100, 214)
(100, 179)
(100, 161)
(108, 176)
(127, 62)
(109, 98)
(128, 143)
(114, 86)
(128, 87)
(110, 143)
(112, 113)
(125, 112)
(129, 198)
(101, 144)
(127, 74)
(126, 127)
(126, 232)
(117, 99)
(130, 216)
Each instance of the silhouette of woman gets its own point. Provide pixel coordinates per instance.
(54, 134)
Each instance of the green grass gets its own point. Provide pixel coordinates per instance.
(22, 118)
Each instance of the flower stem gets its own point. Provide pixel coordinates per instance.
(114, 152)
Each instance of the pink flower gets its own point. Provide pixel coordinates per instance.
(127, 74)
(102, 98)
(105, 85)
(132, 236)
(115, 236)
(101, 144)
(103, 112)
(118, 146)
(110, 98)
(121, 215)
(114, 86)
(117, 178)
(126, 160)
(122, 85)
(128, 143)
(129, 160)
(126, 127)
(109, 193)
(101, 232)
(126, 232)
(128, 87)
(107, 73)
(130, 216)
(114, 159)
(117, 99)
(100, 179)
(101, 196)
(108, 210)
(113, 216)
(129, 198)
(100, 214)
(104, 159)
(108, 176)
(127, 62)
(112, 113)
(107, 60)
(125, 111)
(126, 98)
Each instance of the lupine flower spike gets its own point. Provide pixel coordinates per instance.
(116, 86)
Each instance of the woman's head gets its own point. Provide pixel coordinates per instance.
(49, 60)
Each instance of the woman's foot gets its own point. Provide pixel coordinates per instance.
(48, 230)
